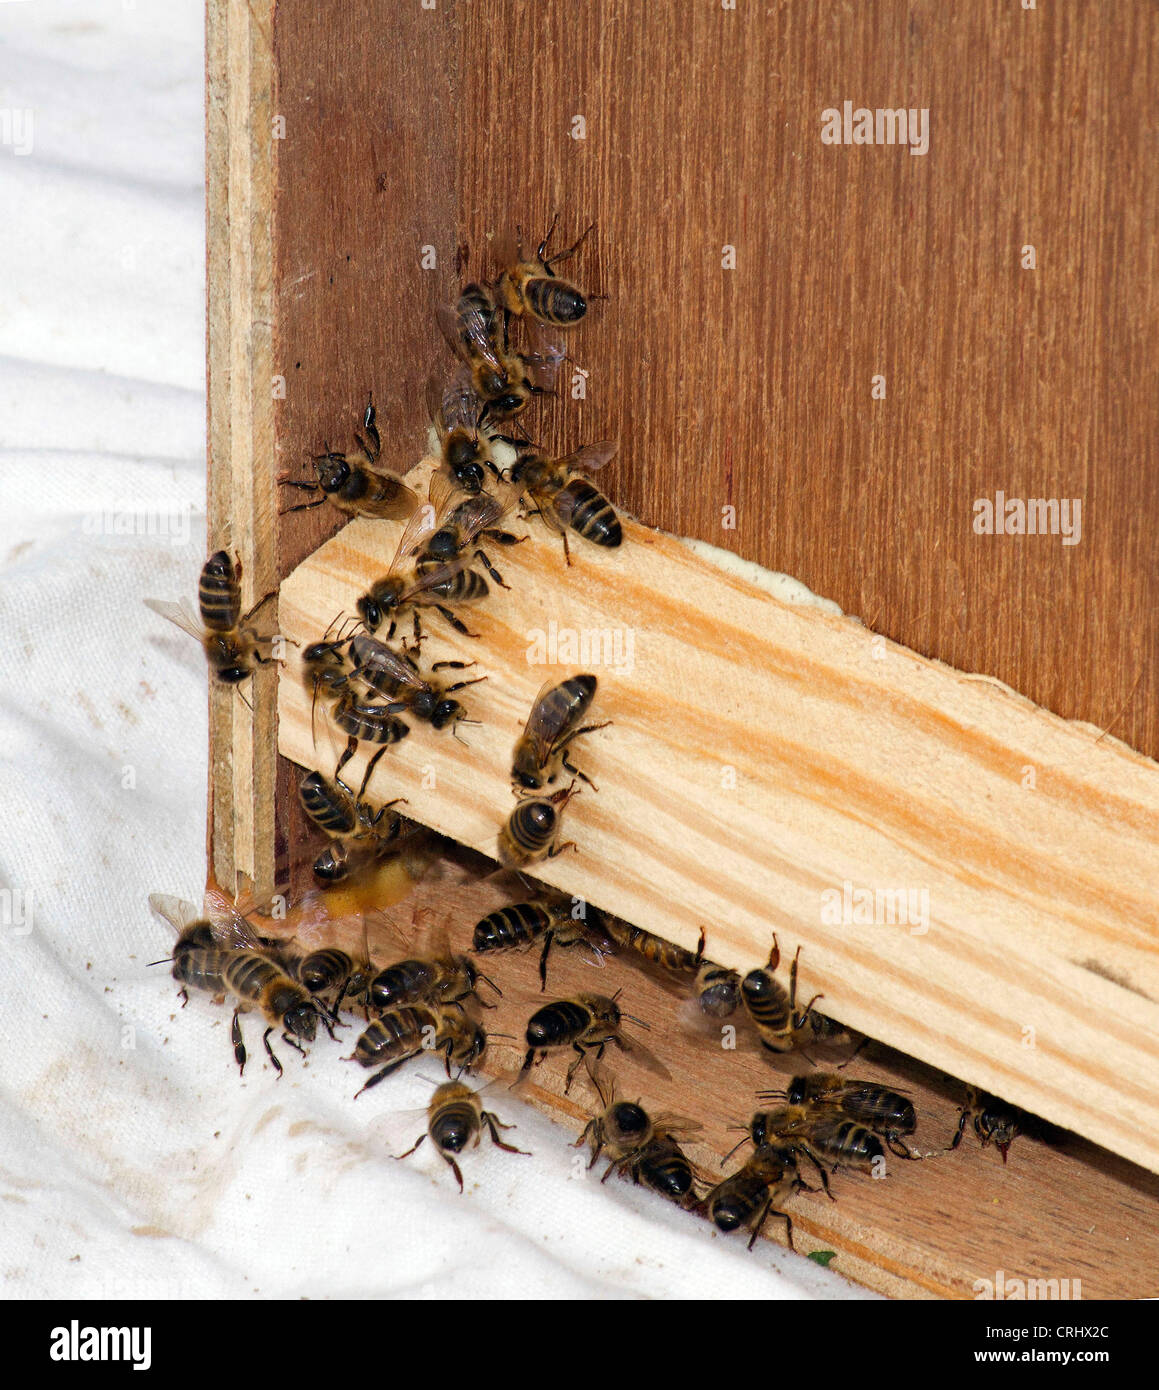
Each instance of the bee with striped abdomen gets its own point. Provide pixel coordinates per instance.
(716, 990)
(461, 518)
(361, 833)
(531, 286)
(531, 830)
(756, 1191)
(558, 491)
(231, 646)
(885, 1111)
(548, 920)
(772, 1009)
(400, 1034)
(586, 1023)
(664, 955)
(455, 1120)
(464, 444)
(358, 489)
(638, 1144)
(437, 979)
(553, 724)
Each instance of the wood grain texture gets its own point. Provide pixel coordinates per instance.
(927, 1229)
(765, 763)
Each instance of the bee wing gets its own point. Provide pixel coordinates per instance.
(396, 1131)
(377, 665)
(676, 1124)
(229, 926)
(592, 456)
(546, 356)
(543, 725)
(645, 1057)
(445, 496)
(432, 578)
(421, 525)
(180, 613)
(458, 404)
(468, 334)
(176, 911)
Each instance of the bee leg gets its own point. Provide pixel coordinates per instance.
(571, 250)
(505, 538)
(302, 506)
(183, 994)
(455, 666)
(454, 1167)
(700, 945)
(549, 937)
(760, 1221)
(559, 849)
(293, 1042)
(238, 1043)
(571, 1071)
(525, 1068)
(962, 1118)
(270, 1052)
(542, 247)
(370, 766)
(481, 556)
(382, 1074)
(460, 685)
(494, 1126)
(897, 1147)
(351, 749)
(454, 622)
(412, 1148)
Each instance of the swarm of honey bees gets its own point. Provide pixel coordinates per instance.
(369, 678)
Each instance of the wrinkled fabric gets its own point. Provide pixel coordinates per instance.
(135, 1162)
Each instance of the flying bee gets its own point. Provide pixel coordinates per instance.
(756, 1190)
(455, 1120)
(550, 920)
(995, 1122)
(400, 1034)
(531, 286)
(887, 1112)
(231, 646)
(403, 587)
(557, 490)
(460, 519)
(395, 676)
(530, 831)
(637, 1144)
(464, 444)
(586, 1024)
(249, 969)
(355, 488)
(554, 723)
(772, 1010)
(475, 328)
(361, 831)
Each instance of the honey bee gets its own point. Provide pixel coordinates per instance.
(995, 1122)
(529, 832)
(354, 488)
(716, 990)
(639, 1145)
(395, 676)
(504, 380)
(532, 287)
(542, 748)
(754, 1192)
(231, 647)
(822, 1132)
(363, 720)
(357, 827)
(248, 968)
(400, 1034)
(405, 587)
(586, 1024)
(557, 490)
(464, 445)
(665, 955)
(887, 1112)
(455, 1120)
(772, 1010)
(436, 980)
(522, 924)
(460, 519)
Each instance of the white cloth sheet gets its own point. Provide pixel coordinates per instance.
(135, 1163)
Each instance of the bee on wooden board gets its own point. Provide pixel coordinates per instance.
(550, 920)
(461, 519)
(355, 488)
(994, 1121)
(531, 286)
(587, 1023)
(772, 1009)
(553, 724)
(821, 1132)
(664, 955)
(248, 969)
(402, 1033)
(395, 676)
(504, 379)
(365, 721)
(455, 1121)
(885, 1111)
(756, 1191)
(438, 978)
(361, 832)
(557, 490)
(531, 831)
(404, 587)
(464, 441)
(637, 1144)
(231, 647)
(716, 990)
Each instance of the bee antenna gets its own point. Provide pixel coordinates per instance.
(491, 982)
(163, 961)
(734, 1148)
(638, 1021)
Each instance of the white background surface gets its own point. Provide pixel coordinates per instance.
(134, 1161)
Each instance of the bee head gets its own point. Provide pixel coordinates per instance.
(333, 472)
(302, 1020)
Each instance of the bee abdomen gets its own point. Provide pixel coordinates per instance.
(374, 723)
(510, 927)
(554, 301)
(247, 973)
(395, 1033)
(557, 1024)
(847, 1141)
(326, 806)
(662, 1167)
(532, 825)
(592, 516)
(454, 1126)
(321, 969)
(402, 983)
(219, 593)
(201, 968)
